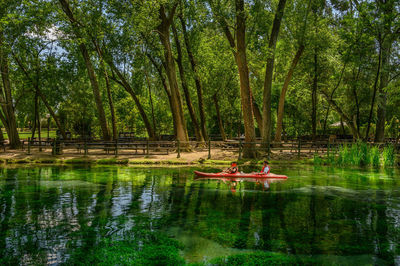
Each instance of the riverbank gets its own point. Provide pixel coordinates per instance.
(199, 158)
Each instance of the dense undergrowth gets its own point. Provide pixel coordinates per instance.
(359, 154)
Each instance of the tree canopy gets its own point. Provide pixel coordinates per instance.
(200, 69)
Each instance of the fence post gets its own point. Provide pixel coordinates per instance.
(116, 147)
(29, 146)
(85, 148)
(179, 149)
(269, 150)
(328, 148)
(209, 149)
(53, 149)
(240, 149)
(299, 149)
(147, 147)
(60, 151)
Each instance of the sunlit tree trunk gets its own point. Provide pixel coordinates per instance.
(6, 101)
(176, 102)
(314, 97)
(382, 95)
(199, 87)
(283, 93)
(267, 123)
(220, 124)
(92, 76)
(165, 86)
(371, 110)
(241, 61)
(196, 126)
(110, 103)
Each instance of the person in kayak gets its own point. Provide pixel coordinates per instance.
(266, 169)
(233, 169)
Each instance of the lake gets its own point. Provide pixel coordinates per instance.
(60, 214)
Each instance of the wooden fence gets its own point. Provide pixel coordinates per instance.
(145, 147)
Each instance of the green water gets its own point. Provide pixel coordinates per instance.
(56, 215)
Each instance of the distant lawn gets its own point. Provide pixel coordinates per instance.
(28, 134)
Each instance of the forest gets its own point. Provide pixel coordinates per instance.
(200, 69)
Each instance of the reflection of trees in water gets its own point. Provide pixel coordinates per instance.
(324, 220)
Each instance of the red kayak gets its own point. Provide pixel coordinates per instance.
(240, 175)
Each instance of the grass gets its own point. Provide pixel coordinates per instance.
(359, 154)
(79, 161)
(28, 134)
(112, 161)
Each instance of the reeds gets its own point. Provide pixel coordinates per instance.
(360, 154)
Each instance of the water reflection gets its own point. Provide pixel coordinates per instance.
(233, 182)
(46, 213)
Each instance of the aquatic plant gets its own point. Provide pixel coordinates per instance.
(261, 258)
(359, 154)
(140, 247)
(375, 156)
(388, 155)
(317, 159)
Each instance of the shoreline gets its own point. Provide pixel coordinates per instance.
(198, 158)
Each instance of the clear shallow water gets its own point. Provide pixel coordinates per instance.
(339, 216)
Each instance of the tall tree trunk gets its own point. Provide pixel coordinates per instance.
(326, 118)
(110, 103)
(283, 93)
(165, 86)
(35, 115)
(1, 135)
(256, 111)
(124, 83)
(96, 92)
(7, 101)
(371, 110)
(196, 79)
(220, 124)
(176, 101)
(39, 126)
(151, 104)
(267, 123)
(196, 126)
(92, 76)
(382, 95)
(241, 61)
(343, 116)
(35, 83)
(53, 114)
(239, 52)
(314, 97)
